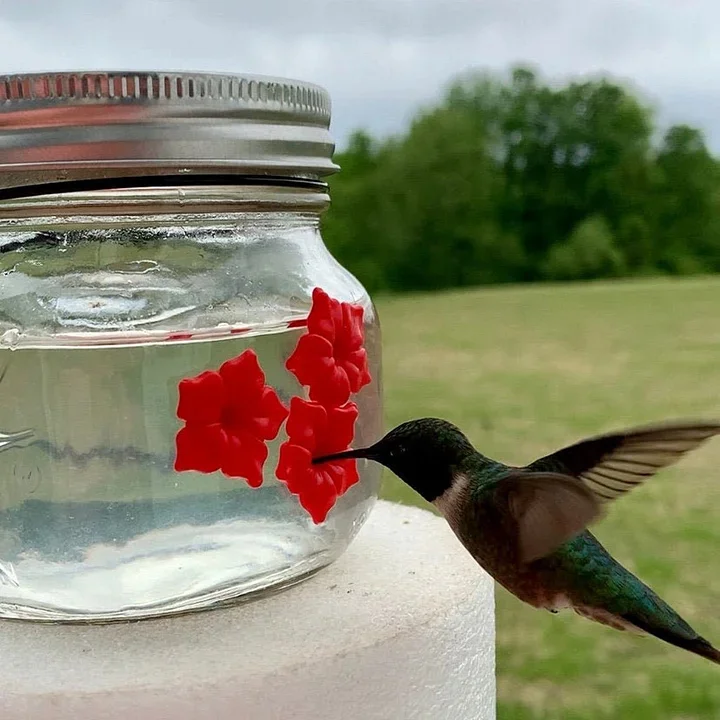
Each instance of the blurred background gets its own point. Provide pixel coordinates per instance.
(531, 191)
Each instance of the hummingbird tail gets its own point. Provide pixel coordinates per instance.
(706, 650)
(693, 643)
(700, 646)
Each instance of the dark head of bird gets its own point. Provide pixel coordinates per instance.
(423, 453)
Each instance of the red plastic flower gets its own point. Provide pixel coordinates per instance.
(330, 357)
(315, 430)
(229, 416)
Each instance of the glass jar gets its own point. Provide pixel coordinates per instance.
(161, 263)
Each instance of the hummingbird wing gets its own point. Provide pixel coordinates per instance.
(548, 509)
(612, 465)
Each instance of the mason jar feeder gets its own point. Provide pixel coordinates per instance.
(176, 343)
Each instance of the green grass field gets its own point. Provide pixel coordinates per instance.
(525, 371)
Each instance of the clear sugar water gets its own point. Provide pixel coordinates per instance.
(95, 524)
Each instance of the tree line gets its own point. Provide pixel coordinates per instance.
(511, 179)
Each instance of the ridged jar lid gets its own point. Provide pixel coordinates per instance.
(82, 125)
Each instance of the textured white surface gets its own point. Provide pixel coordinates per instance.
(401, 627)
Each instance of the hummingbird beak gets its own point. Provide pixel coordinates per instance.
(347, 455)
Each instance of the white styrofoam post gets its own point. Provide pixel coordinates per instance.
(401, 627)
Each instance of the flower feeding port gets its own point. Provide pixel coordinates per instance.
(229, 416)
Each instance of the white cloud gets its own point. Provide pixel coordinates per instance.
(381, 58)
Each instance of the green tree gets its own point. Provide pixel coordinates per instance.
(447, 190)
(588, 253)
(565, 153)
(354, 227)
(687, 230)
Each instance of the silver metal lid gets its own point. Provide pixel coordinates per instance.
(84, 125)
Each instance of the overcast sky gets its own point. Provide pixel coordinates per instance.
(380, 59)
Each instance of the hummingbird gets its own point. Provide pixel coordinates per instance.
(526, 526)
